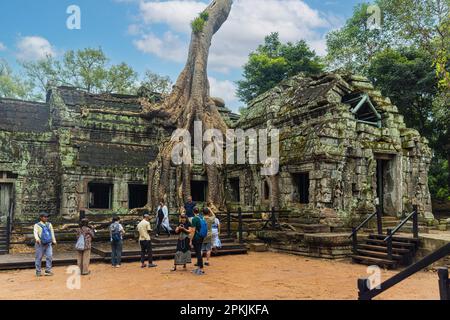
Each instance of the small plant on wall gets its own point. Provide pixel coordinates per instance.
(199, 23)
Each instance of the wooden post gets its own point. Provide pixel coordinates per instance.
(8, 233)
(389, 244)
(444, 284)
(415, 222)
(363, 288)
(241, 240)
(379, 220)
(355, 240)
(273, 218)
(229, 223)
(82, 214)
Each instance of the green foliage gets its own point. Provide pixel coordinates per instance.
(204, 15)
(407, 76)
(155, 83)
(199, 23)
(273, 62)
(86, 69)
(425, 23)
(11, 86)
(438, 179)
(352, 47)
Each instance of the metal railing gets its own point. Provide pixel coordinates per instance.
(272, 220)
(354, 234)
(366, 293)
(390, 233)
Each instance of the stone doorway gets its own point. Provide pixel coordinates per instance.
(301, 187)
(137, 195)
(6, 201)
(199, 190)
(388, 181)
(100, 195)
(234, 190)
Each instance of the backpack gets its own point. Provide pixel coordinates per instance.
(115, 232)
(80, 245)
(204, 228)
(46, 235)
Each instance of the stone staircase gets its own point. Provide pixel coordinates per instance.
(374, 251)
(3, 240)
(390, 222)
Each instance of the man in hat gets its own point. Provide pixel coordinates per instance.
(44, 237)
(145, 242)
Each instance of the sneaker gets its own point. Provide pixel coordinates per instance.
(152, 265)
(143, 266)
(118, 266)
(38, 274)
(207, 264)
(49, 273)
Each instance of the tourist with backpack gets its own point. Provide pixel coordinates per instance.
(44, 237)
(83, 246)
(200, 231)
(116, 232)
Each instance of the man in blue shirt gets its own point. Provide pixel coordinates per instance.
(189, 208)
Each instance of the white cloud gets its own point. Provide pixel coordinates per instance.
(134, 29)
(169, 47)
(34, 48)
(225, 89)
(176, 13)
(249, 22)
(2, 47)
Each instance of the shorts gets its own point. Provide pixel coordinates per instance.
(206, 247)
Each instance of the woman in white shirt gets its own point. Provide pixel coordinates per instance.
(162, 215)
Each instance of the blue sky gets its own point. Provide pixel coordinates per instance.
(150, 34)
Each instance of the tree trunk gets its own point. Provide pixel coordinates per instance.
(190, 101)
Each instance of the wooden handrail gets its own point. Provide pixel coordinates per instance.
(402, 223)
(8, 233)
(362, 224)
(365, 293)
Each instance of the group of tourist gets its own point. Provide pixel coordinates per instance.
(197, 230)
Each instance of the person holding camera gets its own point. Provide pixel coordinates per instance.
(183, 254)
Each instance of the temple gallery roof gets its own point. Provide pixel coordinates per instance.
(18, 115)
(74, 97)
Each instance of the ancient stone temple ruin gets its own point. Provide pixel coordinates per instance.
(344, 147)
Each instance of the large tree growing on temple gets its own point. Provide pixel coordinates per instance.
(189, 101)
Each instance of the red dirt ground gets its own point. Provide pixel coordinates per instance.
(256, 276)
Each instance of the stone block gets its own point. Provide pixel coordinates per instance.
(328, 239)
(258, 247)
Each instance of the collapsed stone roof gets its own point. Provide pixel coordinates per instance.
(302, 96)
